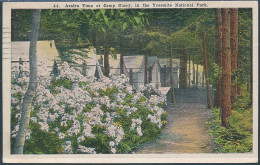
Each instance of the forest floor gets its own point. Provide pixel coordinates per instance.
(185, 131)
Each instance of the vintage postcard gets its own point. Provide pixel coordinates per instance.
(130, 82)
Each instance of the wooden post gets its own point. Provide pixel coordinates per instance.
(145, 69)
(84, 68)
(20, 67)
(197, 76)
(150, 74)
(106, 56)
(122, 55)
(193, 75)
(206, 70)
(171, 77)
(164, 75)
(131, 77)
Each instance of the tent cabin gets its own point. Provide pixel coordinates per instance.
(86, 61)
(165, 72)
(134, 68)
(114, 64)
(154, 70)
(192, 73)
(46, 53)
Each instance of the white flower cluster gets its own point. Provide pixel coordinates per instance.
(136, 123)
(79, 108)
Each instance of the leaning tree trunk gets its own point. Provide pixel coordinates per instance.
(206, 71)
(30, 93)
(106, 56)
(226, 68)
(122, 55)
(183, 70)
(219, 56)
(171, 77)
(234, 51)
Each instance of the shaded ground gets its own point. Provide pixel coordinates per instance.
(185, 131)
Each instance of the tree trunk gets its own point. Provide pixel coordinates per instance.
(30, 93)
(203, 77)
(197, 76)
(145, 69)
(226, 68)
(122, 55)
(219, 56)
(171, 77)
(234, 51)
(106, 56)
(206, 71)
(14, 25)
(183, 70)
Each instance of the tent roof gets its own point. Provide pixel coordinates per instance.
(46, 51)
(88, 55)
(166, 61)
(164, 90)
(114, 63)
(151, 60)
(134, 62)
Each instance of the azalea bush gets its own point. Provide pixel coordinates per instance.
(73, 114)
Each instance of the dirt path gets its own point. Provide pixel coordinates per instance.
(185, 131)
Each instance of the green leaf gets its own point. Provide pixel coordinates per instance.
(125, 25)
(140, 13)
(104, 30)
(103, 11)
(137, 20)
(106, 20)
(121, 13)
(110, 26)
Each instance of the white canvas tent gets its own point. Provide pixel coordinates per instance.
(93, 68)
(46, 53)
(191, 73)
(114, 64)
(154, 71)
(165, 72)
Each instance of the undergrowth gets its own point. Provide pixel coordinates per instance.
(237, 137)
